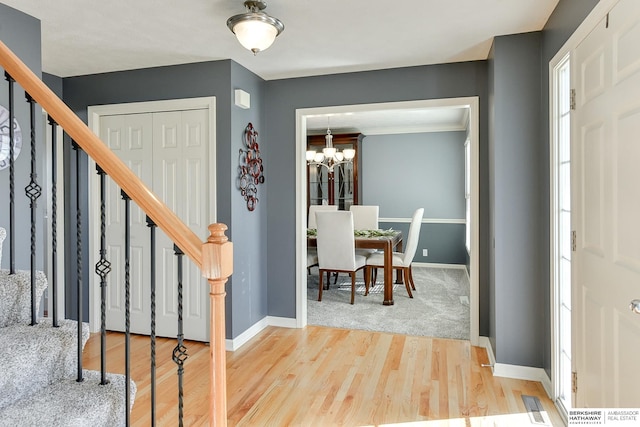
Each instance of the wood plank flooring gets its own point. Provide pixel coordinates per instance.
(324, 377)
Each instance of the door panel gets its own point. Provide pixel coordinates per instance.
(130, 138)
(180, 171)
(607, 258)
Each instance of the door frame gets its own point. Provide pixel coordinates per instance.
(301, 194)
(599, 11)
(95, 113)
(554, 238)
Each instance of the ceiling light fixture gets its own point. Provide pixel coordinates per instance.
(255, 29)
(330, 156)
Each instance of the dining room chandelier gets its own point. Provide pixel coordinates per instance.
(255, 29)
(330, 156)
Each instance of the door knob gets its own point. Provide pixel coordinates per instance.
(635, 306)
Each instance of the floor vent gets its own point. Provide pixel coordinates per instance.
(534, 408)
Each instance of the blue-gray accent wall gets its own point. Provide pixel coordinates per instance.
(403, 172)
(516, 281)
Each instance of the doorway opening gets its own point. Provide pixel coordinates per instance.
(302, 115)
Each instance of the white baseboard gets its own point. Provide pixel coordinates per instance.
(516, 371)
(243, 338)
(282, 322)
(436, 265)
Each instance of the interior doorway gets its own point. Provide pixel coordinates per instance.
(301, 192)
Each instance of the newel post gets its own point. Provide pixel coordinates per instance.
(217, 266)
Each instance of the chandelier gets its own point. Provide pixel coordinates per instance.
(255, 29)
(330, 157)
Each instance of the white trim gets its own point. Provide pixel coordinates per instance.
(554, 237)
(95, 113)
(425, 220)
(523, 373)
(280, 322)
(515, 371)
(301, 194)
(437, 265)
(243, 338)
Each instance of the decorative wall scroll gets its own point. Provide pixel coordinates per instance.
(5, 142)
(250, 167)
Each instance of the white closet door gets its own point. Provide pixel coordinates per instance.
(606, 174)
(169, 151)
(180, 177)
(130, 137)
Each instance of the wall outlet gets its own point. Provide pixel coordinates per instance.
(425, 252)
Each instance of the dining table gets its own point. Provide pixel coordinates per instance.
(385, 240)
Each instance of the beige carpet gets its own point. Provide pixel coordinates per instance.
(439, 308)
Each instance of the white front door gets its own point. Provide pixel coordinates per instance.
(606, 215)
(169, 151)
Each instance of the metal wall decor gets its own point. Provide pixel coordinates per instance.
(5, 138)
(250, 167)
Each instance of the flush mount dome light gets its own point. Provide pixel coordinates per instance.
(255, 29)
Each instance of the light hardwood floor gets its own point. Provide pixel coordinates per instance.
(323, 377)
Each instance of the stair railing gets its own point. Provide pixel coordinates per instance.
(214, 257)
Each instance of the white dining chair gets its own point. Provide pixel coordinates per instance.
(401, 260)
(336, 248)
(365, 217)
(311, 219)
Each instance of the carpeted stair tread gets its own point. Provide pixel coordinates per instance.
(15, 296)
(34, 357)
(69, 403)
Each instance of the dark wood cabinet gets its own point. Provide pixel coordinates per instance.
(340, 187)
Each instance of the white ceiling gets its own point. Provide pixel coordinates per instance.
(320, 37)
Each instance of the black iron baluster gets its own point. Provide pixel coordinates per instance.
(54, 222)
(152, 230)
(77, 149)
(33, 191)
(180, 351)
(127, 303)
(12, 205)
(103, 268)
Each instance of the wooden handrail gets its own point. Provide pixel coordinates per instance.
(161, 215)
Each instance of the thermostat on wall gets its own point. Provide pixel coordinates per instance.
(243, 99)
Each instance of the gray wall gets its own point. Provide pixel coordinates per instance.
(402, 172)
(21, 34)
(516, 282)
(283, 97)
(248, 293)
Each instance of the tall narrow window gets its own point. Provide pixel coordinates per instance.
(562, 234)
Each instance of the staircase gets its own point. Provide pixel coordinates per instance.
(39, 384)
(39, 377)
